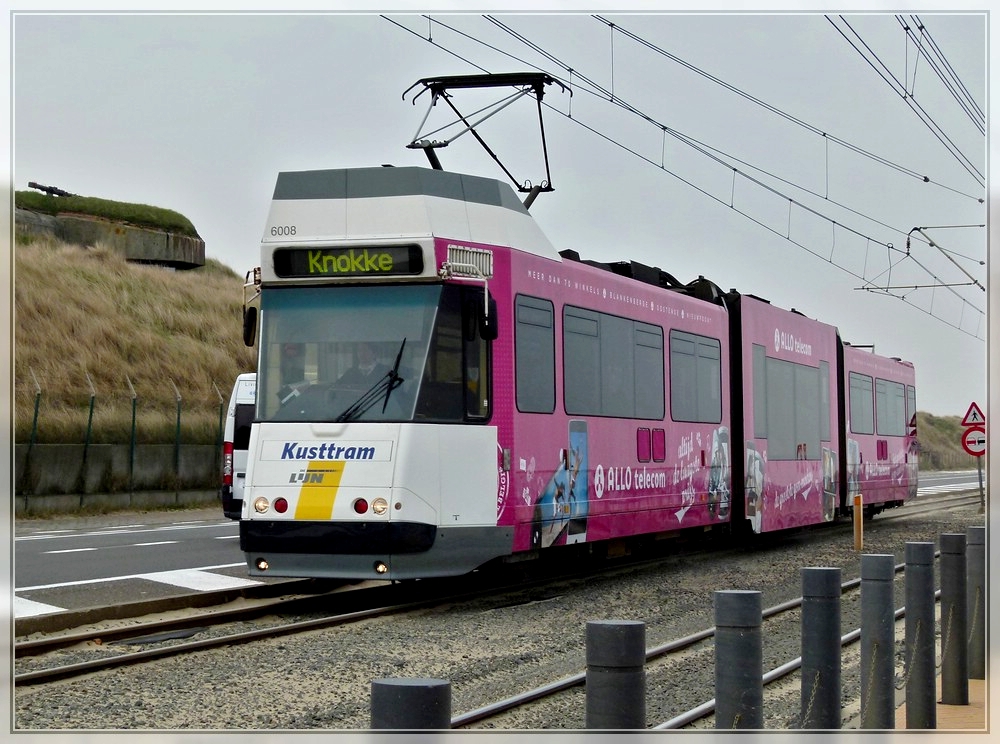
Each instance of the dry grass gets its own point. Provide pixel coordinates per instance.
(940, 440)
(88, 312)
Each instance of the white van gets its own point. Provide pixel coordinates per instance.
(236, 441)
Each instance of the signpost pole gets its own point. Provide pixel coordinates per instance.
(974, 442)
(982, 492)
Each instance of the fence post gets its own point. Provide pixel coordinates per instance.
(221, 429)
(177, 439)
(878, 637)
(411, 704)
(86, 439)
(616, 674)
(954, 624)
(921, 709)
(820, 686)
(131, 447)
(90, 417)
(25, 475)
(739, 660)
(976, 585)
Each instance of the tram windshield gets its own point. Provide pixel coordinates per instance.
(372, 353)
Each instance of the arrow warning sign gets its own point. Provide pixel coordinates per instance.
(974, 416)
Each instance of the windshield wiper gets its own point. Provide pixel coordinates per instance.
(384, 387)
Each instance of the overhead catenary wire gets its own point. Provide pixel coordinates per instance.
(943, 69)
(783, 114)
(603, 93)
(900, 89)
(701, 147)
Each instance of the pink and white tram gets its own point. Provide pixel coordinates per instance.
(519, 398)
(880, 454)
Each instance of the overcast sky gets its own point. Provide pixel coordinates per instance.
(774, 154)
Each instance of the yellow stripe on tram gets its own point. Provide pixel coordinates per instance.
(319, 490)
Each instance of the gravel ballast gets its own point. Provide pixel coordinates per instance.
(488, 649)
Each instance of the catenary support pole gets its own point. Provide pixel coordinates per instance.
(820, 676)
(975, 555)
(616, 674)
(878, 623)
(954, 624)
(921, 709)
(739, 660)
(416, 703)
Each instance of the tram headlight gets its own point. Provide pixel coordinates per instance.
(261, 505)
(380, 506)
(381, 568)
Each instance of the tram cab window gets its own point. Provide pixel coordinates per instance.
(424, 342)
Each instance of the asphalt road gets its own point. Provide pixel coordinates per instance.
(70, 563)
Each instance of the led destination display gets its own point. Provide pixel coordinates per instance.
(353, 261)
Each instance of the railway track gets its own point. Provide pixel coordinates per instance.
(271, 619)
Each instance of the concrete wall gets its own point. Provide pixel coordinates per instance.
(64, 477)
(135, 243)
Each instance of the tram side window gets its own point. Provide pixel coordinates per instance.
(695, 378)
(649, 397)
(534, 355)
(911, 406)
(759, 392)
(794, 405)
(890, 408)
(824, 401)
(612, 366)
(862, 411)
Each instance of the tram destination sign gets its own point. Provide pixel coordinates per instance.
(383, 260)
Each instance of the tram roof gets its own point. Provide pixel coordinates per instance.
(492, 213)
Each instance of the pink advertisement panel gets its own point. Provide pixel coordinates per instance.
(577, 478)
(882, 460)
(790, 417)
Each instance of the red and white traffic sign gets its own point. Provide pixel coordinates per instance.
(974, 441)
(974, 416)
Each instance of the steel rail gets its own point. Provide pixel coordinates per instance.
(552, 688)
(198, 622)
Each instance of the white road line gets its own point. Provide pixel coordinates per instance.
(74, 550)
(111, 531)
(947, 489)
(30, 608)
(198, 580)
(146, 545)
(228, 537)
(201, 581)
(84, 582)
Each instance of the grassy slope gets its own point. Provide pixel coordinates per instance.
(142, 215)
(89, 311)
(80, 312)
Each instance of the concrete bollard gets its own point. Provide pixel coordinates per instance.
(975, 555)
(921, 708)
(616, 674)
(739, 660)
(411, 704)
(820, 703)
(878, 638)
(954, 624)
